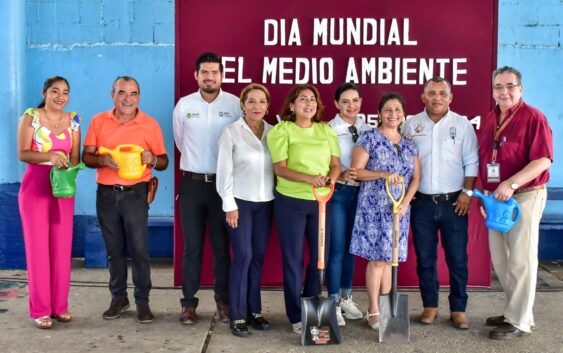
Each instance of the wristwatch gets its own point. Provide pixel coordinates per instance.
(513, 185)
(467, 192)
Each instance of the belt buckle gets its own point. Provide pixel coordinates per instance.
(435, 198)
(206, 178)
(118, 187)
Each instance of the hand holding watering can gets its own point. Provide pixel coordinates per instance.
(126, 159)
(500, 216)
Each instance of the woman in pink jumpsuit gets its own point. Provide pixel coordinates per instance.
(48, 137)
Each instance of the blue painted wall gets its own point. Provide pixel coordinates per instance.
(530, 39)
(90, 42)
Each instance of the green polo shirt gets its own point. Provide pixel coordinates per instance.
(307, 150)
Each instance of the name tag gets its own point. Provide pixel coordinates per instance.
(493, 173)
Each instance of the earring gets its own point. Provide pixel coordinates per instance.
(244, 113)
(266, 113)
(292, 112)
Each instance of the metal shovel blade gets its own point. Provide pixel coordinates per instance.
(394, 325)
(318, 316)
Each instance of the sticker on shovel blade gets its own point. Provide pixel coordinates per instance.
(320, 335)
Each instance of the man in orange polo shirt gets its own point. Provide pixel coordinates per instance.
(121, 204)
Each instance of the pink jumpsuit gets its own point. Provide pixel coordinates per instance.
(47, 225)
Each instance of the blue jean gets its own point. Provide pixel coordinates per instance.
(340, 266)
(123, 217)
(427, 217)
(248, 241)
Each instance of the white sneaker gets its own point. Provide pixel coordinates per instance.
(350, 309)
(297, 328)
(339, 317)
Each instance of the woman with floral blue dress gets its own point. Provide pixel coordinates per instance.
(382, 155)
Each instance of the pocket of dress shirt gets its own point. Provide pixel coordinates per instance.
(451, 149)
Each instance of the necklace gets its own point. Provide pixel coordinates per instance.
(257, 129)
(52, 122)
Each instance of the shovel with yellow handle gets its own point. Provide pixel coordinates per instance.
(394, 326)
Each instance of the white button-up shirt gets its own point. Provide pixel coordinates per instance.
(448, 151)
(345, 138)
(244, 166)
(197, 126)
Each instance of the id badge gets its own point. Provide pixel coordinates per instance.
(493, 173)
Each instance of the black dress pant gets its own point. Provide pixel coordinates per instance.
(200, 205)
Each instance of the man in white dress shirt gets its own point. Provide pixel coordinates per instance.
(199, 119)
(448, 154)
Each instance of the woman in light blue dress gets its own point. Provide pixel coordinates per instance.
(382, 155)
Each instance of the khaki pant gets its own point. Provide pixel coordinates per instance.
(515, 259)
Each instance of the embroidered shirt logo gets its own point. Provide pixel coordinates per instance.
(419, 127)
(192, 115)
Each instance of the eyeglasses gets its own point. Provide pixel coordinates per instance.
(508, 86)
(354, 133)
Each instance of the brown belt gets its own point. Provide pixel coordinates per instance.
(531, 188)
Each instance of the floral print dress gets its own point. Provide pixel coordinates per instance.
(373, 226)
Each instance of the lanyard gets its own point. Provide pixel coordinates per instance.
(499, 128)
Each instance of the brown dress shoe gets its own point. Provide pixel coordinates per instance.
(428, 316)
(495, 321)
(506, 331)
(144, 313)
(459, 320)
(223, 311)
(117, 306)
(188, 316)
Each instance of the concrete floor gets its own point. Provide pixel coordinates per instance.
(88, 332)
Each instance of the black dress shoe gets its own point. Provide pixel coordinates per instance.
(495, 321)
(258, 322)
(239, 328)
(506, 331)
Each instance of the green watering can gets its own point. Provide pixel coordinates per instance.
(63, 181)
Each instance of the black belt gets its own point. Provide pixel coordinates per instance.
(452, 196)
(208, 178)
(122, 188)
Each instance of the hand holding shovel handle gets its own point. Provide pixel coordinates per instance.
(396, 220)
(322, 201)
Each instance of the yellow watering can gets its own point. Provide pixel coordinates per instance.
(128, 157)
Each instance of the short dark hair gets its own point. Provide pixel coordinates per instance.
(345, 87)
(390, 96)
(386, 98)
(286, 114)
(48, 83)
(510, 70)
(209, 58)
(125, 78)
(438, 79)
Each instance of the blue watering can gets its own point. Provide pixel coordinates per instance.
(500, 215)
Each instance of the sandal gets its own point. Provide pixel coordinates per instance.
(43, 322)
(66, 317)
(375, 325)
